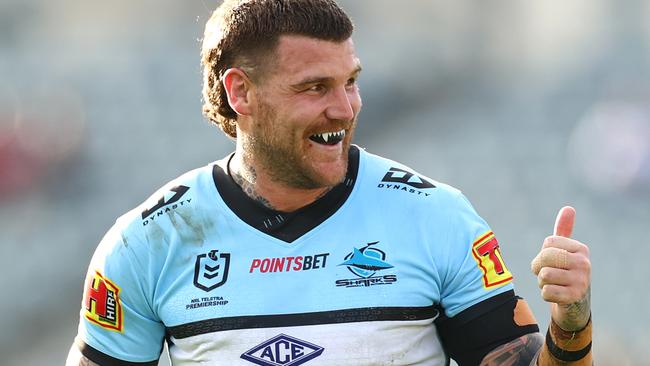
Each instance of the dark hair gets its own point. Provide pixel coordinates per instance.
(244, 33)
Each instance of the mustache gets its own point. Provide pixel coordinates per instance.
(334, 125)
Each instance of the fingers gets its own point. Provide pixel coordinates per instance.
(570, 245)
(555, 285)
(562, 295)
(562, 276)
(554, 276)
(550, 257)
(564, 222)
(562, 286)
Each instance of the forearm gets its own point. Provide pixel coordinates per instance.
(560, 347)
(521, 351)
(568, 340)
(75, 358)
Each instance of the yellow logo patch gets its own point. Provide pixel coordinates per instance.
(102, 302)
(488, 257)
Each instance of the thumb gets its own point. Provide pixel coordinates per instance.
(564, 222)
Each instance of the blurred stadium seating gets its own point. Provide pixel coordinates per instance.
(525, 106)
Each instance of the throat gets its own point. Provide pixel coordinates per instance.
(272, 195)
(247, 185)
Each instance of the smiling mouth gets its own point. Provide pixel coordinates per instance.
(328, 138)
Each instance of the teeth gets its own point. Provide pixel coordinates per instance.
(330, 136)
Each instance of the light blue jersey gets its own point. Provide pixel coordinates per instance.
(357, 278)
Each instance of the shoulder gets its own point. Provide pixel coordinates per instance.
(189, 189)
(155, 217)
(404, 195)
(392, 180)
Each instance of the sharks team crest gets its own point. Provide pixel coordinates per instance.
(367, 264)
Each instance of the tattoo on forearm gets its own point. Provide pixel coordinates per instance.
(519, 352)
(577, 313)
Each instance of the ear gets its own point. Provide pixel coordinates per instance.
(238, 88)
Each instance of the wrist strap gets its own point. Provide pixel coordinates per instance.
(568, 346)
(564, 355)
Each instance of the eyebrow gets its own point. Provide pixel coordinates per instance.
(327, 79)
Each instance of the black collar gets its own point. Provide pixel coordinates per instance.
(286, 226)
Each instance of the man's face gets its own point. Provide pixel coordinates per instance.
(306, 110)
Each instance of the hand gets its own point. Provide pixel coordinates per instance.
(563, 274)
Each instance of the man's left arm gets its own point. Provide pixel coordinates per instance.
(563, 272)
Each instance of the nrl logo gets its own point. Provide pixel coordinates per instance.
(211, 270)
(282, 350)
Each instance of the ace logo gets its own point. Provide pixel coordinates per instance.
(282, 350)
(211, 270)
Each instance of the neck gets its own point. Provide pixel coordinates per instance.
(268, 192)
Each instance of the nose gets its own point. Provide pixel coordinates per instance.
(340, 105)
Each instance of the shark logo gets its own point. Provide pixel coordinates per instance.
(365, 262)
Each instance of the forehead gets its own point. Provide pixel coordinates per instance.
(299, 57)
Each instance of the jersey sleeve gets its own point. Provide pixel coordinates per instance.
(475, 269)
(118, 324)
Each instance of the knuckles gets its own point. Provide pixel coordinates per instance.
(583, 263)
(544, 276)
(550, 294)
(548, 241)
(555, 241)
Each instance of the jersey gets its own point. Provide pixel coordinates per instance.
(356, 278)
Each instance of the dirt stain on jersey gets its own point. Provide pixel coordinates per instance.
(191, 228)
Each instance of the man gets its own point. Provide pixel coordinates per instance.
(300, 248)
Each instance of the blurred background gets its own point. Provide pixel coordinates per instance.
(524, 105)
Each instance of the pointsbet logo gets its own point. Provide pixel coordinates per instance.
(102, 302)
(289, 264)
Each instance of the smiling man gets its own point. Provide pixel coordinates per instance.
(294, 128)
(301, 248)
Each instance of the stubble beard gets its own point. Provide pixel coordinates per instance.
(280, 157)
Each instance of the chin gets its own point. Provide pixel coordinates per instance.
(328, 175)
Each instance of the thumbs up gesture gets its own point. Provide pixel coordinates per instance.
(563, 274)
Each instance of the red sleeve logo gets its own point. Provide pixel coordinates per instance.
(102, 302)
(488, 257)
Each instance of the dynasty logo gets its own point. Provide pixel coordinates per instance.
(102, 302)
(165, 204)
(211, 270)
(282, 350)
(364, 263)
(402, 180)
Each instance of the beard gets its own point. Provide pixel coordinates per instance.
(278, 151)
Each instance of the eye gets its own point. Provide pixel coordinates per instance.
(351, 82)
(317, 88)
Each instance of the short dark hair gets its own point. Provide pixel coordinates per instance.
(243, 33)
